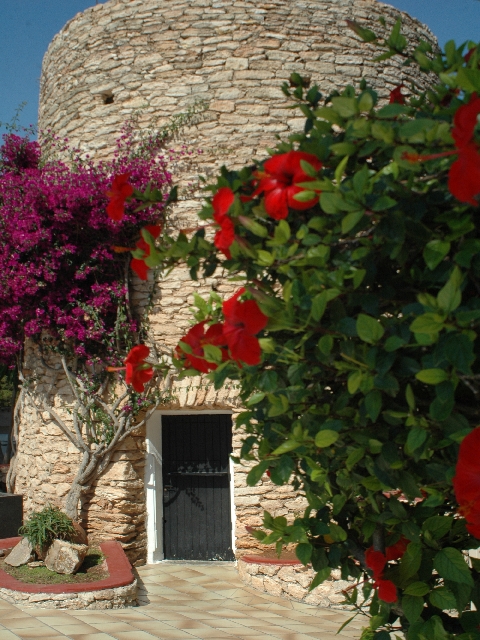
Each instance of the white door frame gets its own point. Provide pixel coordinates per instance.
(154, 482)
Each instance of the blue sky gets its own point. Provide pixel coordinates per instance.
(27, 26)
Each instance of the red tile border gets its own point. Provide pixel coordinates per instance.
(117, 562)
(264, 560)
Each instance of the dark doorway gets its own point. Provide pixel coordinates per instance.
(196, 486)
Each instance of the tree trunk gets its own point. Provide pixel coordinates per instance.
(73, 499)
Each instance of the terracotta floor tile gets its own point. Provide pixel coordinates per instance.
(127, 615)
(22, 623)
(133, 635)
(187, 623)
(48, 632)
(8, 635)
(154, 625)
(71, 629)
(90, 617)
(92, 636)
(53, 620)
(175, 634)
(113, 627)
(210, 634)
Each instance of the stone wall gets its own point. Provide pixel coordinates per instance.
(292, 581)
(163, 56)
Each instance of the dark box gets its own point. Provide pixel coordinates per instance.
(11, 514)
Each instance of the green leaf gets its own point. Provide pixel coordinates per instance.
(265, 258)
(336, 532)
(438, 526)
(343, 148)
(434, 252)
(449, 297)
(288, 445)
(417, 589)
(416, 437)
(319, 304)
(393, 343)
(325, 344)
(345, 107)
(412, 607)
(282, 232)
(368, 329)
(383, 203)
(410, 397)
(321, 576)
(354, 381)
(353, 457)
(373, 404)
(305, 196)
(340, 169)
(365, 101)
(427, 323)
(253, 226)
(303, 552)
(443, 599)
(351, 220)
(411, 560)
(450, 564)
(212, 353)
(255, 399)
(308, 169)
(365, 34)
(326, 437)
(432, 376)
(279, 405)
(255, 474)
(281, 472)
(468, 79)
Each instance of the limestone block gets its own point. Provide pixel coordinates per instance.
(294, 590)
(304, 577)
(65, 557)
(272, 586)
(21, 554)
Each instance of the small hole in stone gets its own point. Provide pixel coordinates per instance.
(107, 97)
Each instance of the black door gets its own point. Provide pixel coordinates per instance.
(196, 487)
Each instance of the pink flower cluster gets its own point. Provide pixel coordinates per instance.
(58, 269)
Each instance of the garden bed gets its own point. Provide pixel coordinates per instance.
(93, 569)
(117, 590)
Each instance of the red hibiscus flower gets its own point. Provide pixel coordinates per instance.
(397, 550)
(281, 173)
(376, 561)
(137, 264)
(121, 190)
(396, 95)
(221, 202)
(243, 320)
(464, 122)
(466, 482)
(138, 372)
(197, 338)
(464, 175)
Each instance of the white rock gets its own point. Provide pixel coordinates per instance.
(65, 557)
(22, 553)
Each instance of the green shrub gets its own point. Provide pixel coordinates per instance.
(44, 526)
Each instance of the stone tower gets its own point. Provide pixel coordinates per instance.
(161, 57)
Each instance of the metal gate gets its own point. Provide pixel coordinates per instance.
(196, 487)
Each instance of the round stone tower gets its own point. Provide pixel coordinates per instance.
(160, 58)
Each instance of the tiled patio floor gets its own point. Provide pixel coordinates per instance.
(205, 601)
